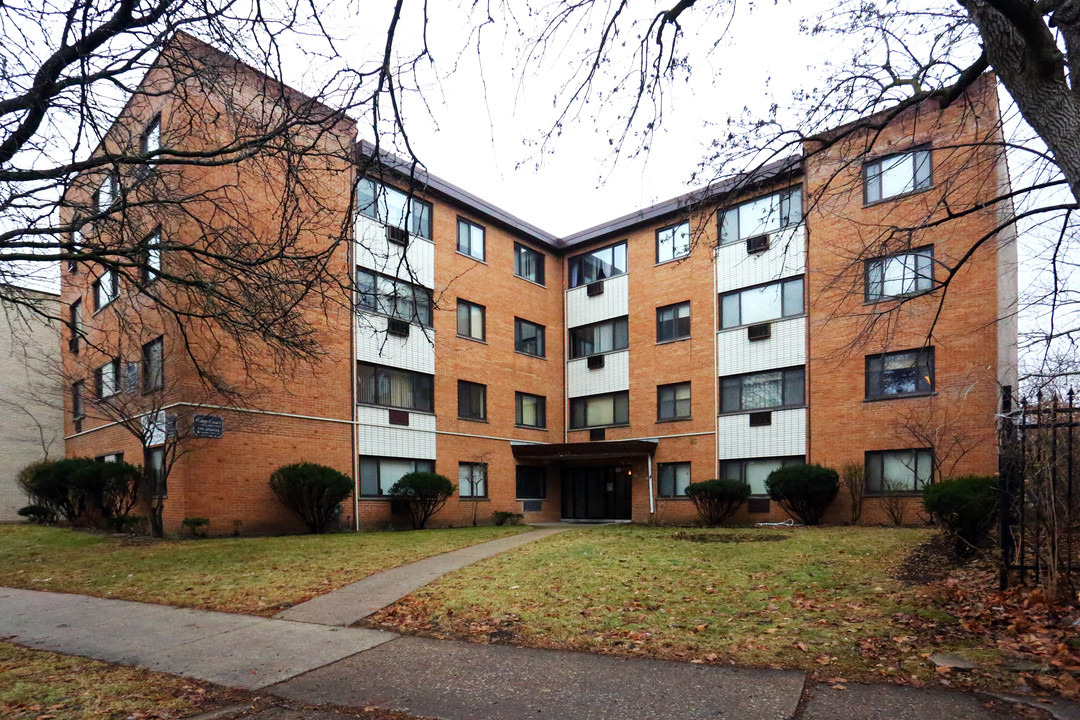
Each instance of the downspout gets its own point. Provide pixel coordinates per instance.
(716, 366)
(652, 497)
(354, 428)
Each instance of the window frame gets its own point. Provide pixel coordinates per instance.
(673, 228)
(742, 377)
(149, 270)
(99, 379)
(380, 297)
(149, 383)
(421, 388)
(472, 494)
(784, 461)
(481, 388)
(78, 400)
(378, 459)
(923, 251)
(417, 223)
(75, 325)
(674, 467)
(675, 401)
(112, 181)
(75, 238)
(616, 422)
(519, 324)
(541, 410)
(785, 201)
(931, 365)
(674, 322)
(881, 159)
(573, 264)
(614, 322)
(462, 303)
(879, 456)
(738, 293)
(144, 139)
(521, 249)
(540, 471)
(97, 286)
(472, 226)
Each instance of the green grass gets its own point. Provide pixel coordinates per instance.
(37, 684)
(821, 599)
(245, 575)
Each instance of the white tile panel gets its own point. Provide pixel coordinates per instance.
(787, 346)
(786, 436)
(613, 302)
(415, 263)
(614, 376)
(786, 256)
(376, 436)
(374, 345)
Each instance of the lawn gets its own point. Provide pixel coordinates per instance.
(38, 684)
(817, 599)
(258, 576)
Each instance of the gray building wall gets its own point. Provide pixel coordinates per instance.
(31, 396)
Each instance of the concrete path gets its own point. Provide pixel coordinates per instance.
(352, 603)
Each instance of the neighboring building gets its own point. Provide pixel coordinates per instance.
(720, 334)
(31, 400)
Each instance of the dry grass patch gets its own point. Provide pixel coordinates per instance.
(38, 684)
(259, 576)
(817, 599)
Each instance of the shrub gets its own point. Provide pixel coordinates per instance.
(423, 493)
(966, 507)
(197, 525)
(501, 517)
(804, 491)
(111, 488)
(314, 492)
(52, 485)
(37, 514)
(134, 524)
(717, 500)
(853, 478)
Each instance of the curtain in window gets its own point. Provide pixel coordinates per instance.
(763, 390)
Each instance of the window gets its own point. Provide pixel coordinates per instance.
(106, 288)
(378, 474)
(673, 322)
(899, 470)
(111, 458)
(393, 297)
(472, 480)
(151, 255)
(470, 239)
(764, 215)
(896, 175)
(601, 337)
(391, 387)
(673, 401)
(470, 320)
(673, 242)
(910, 372)
(77, 409)
(528, 263)
(762, 304)
(472, 400)
(389, 205)
(153, 363)
(107, 379)
(528, 337)
(899, 275)
(530, 410)
(75, 323)
(673, 479)
(531, 483)
(155, 462)
(76, 246)
(597, 265)
(754, 472)
(108, 192)
(600, 410)
(761, 391)
(150, 142)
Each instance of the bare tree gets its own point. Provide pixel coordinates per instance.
(938, 425)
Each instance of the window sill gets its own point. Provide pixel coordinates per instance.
(658, 263)
(582, 286)
(893, 298)
(608, 352)
(598, 427)
(761, 322)
(898, 493)
(475, 420)
(530, 427)
(905, 396)
(667, 498)
(520, 499)
(472, 339)
(375, 498)
(731, 413)
(364, 311)
(673, 420)
(538, 357)
(672, 340)
(528, 280)
(476, 498)
(482, 261)
(894, 198)
(387, 407)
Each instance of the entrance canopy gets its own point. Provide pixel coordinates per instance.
(569, 452)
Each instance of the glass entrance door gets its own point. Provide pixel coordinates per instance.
(596, 493)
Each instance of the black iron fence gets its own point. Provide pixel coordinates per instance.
(1040, 517)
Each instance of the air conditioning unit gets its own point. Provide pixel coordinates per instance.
(596, 362)
(761, 331)
(757, 244)
(761, 419)
(397, 235)
(597, 434)
(531, 506)
(394, 326)
(399, 417)
(594, 289)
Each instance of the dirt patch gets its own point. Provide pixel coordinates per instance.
(729, 537)
(931, 561)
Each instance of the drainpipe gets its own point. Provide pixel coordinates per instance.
(652, 498)
(354, 428)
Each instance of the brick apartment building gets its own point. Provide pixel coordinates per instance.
(723, 333)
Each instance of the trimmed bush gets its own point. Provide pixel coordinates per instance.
(966, 507)
(52, 485)
(717, 500)
(38, 514)
(110, 488)
(423, 493)
(804, 491)
(197, 525)
(501, 517)
(314, 492)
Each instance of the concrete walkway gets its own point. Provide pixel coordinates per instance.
(352, 603)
